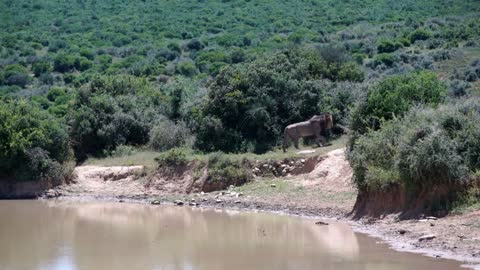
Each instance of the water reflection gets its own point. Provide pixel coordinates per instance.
(73, 235)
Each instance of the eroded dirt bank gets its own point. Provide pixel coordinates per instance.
(324, 190)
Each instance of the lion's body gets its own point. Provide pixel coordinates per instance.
(315, 126)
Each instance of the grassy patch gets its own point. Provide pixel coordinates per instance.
(147, 157)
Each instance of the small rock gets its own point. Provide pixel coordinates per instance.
(239, 194)
(402, 231)
(431, 218)
(427, 237)
(423, 220)
(179, 203)
(321, 223)
(431, 224)
(273, 185)
(302, 160)
(202, 193)
(218, 201)
(292, 163)
(192, 204)
(121, 201)
(238, 201)
(155, 202)
(193, 199)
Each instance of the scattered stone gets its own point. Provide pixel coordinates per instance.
(237, 201)
(431, 224)
(423, 220)
(402, 231)
(202, 193)
(192, 204)
(218, 201)
(239, 194)
(193, 199)
(431, 218)
(121, 200)
(179, 203)
(321, 223)
(427, 237)
(273, 185)
(155, 202)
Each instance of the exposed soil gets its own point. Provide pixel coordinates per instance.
(323, 190)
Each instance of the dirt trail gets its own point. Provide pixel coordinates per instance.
(331, 174)
(107, 182)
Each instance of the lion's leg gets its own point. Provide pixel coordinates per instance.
(295, 142)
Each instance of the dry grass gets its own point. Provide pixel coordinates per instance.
(147, 157)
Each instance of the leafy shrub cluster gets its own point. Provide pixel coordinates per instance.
(394, 96)
(426, 148)
(224, 171)
(172, 158)
(249, 104)
(33, 144)
(167, 134)
(112, 111)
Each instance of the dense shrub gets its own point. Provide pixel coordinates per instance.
(224, 171)
(173, 157)
(166, 135)
(112, 111)
(427, 147)
(419, 34)
(384, 58)
(249, 104)
(33, 145)
(40, 68)
(65, 62)
(14, 75)
(394, 96)
(388, 46)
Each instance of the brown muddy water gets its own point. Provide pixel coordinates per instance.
(84, 235)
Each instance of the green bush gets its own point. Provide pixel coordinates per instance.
(112, 111)
(384, 58)
(166, 135)
(223, 171)
(64, 62)
(428, 147)
(40, 68)
(33, 144)
(419, 34)
(394, 96)
(171, 158)
(15, 75)
(388, 46)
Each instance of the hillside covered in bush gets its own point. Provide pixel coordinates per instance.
(88, 78)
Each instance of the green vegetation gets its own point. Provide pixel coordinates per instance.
(122, 80)
(34, 145)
